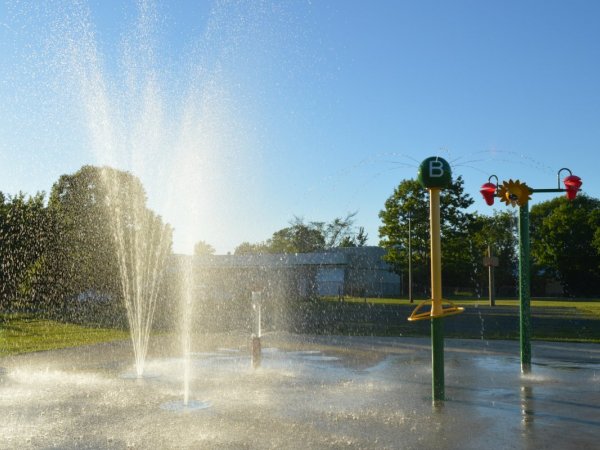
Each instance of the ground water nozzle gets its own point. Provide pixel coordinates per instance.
(256, 351)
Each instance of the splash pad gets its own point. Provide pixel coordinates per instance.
(310, 392)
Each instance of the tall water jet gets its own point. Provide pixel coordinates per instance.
(255, 344)
(175, 138)
(142, 246)
(256, 306)
(187, 298)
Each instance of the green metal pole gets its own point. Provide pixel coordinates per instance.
(491, 292)
(437, 359)
(410, 295)
(524, 289)
(435, 175)
(437, 329)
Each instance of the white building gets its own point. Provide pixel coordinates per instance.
(354, 271)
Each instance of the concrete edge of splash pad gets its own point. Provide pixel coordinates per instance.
(311, 392)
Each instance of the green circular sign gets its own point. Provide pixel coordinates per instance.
(435, 172)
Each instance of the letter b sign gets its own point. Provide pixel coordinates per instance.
(435, 172)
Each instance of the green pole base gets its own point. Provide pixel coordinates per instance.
(525, 328)
(437, 359)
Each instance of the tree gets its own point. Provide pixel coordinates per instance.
(297, 238)
(456, 238)
(108, 241)
(84, 254)
(302, 237)
(564, 242)
(203, 248)
(359, 240)
(246, 248)
(500, 233)
(339, 232)
(595, 219)
(25, 233)
(410, 199)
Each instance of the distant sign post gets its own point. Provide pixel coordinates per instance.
(490, 262)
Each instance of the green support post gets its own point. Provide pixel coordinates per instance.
(437, 359)
(524, 289)
(435, 175)
(437, 328)
(516, 193)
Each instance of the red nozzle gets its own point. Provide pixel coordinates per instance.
(488, 190)
(572, 184)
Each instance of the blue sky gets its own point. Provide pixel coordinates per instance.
(239, 115)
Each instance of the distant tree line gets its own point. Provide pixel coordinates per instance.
(565, 242)
(55, 251)
(302, 237)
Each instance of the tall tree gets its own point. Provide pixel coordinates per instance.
(499, 232)
(410, 199)
(109, 241)
(407, 203)
(297, 238)
(25, 234)
(456, 239)
(564, 242)
(84, 257)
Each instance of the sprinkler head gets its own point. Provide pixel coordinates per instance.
(255, 351)
(488, 190)
(572, 185)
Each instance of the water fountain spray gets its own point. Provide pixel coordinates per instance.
(255, 345)
(186, 328)
(142, 248)
(256, 306)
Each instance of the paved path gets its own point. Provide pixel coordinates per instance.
(311, 392)
(481, 321)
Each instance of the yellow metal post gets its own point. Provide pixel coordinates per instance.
(435, 175)
(436, 252)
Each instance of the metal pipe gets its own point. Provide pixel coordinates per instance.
(558, 175)
(437, 329)
(410, 296)
(524, 289)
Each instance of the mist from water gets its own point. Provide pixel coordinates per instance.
(179, 130)
(184, 123)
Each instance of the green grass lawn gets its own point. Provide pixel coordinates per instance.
(21, 334)
(578, 320)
